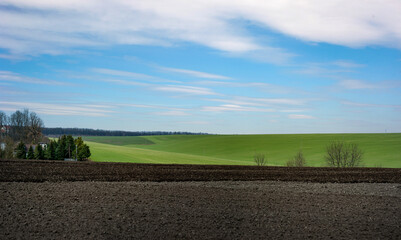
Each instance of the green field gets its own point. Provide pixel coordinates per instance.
(380, 150)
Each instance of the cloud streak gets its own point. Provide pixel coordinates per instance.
(234, 108)
(195, 73)
(354, 84)
(59, 109)
(131, 75)
(35, 26)
(300, 116)
(185, 90)
(8, 76)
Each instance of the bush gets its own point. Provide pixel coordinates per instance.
(297, 161)
(259, 159)
(341, 154)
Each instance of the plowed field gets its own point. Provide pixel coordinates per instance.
(84, 200)
(40, 171)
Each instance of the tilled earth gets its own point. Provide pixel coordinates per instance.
(41, 171)
(58, 200)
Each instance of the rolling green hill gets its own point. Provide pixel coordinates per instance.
(381, 150)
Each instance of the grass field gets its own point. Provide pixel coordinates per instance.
(381, 150)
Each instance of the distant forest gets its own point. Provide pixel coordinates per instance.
(98, 132)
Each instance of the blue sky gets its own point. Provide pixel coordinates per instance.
(204, 66)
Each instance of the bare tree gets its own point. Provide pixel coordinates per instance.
(297, 161)
(341, 154)
(3, 124)
(259, 159)
(34, 128)
(19, 124)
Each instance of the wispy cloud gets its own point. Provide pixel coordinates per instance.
(300, 116)
(323, 69)
(163, 110)
(125, 82)
(15, 77)
(185, 89)
(261, 86)
(12, 57)
(370, 105)
(131, 75)
(195, 122)
(114, 72)
(354, 84)
(234, 108)
(59, 109)
(172, 113)
(347, 64)
(247, 104)
(262, 101)
(47, 27)
(195, 73)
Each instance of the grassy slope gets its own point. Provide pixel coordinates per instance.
(380, 149)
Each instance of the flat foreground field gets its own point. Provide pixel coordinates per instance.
(58, 200)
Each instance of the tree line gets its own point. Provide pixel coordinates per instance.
(98, 132)
(21, 137)
(21, 126)
(60, 149)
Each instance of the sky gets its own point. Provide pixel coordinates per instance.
(221, 66)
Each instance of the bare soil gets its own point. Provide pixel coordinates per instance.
(57, 200)
(41, 171)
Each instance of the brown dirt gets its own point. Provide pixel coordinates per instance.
(57, 200)
(40, 171)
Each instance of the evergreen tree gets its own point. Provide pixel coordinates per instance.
(83, 152)
(50, 152)
(53, 147)
(21, 151)
(70, 146)
(39, 154)
(61, 148)
(83, 149)
(30, 154)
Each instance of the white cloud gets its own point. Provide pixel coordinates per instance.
(300, 116)
(59, 109)
(354, 84)
(248, 104)
(172, 113)
(195, 73)
(185, 90)
(151, 106)
(121, 73)
(125, 82)
(195, 122)
(234, 108)
(260, 86)
(370, 105)
(12, 57)
(53, 27)
(8, 76)
(347, 64)
(133, 75)
(276, 101)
